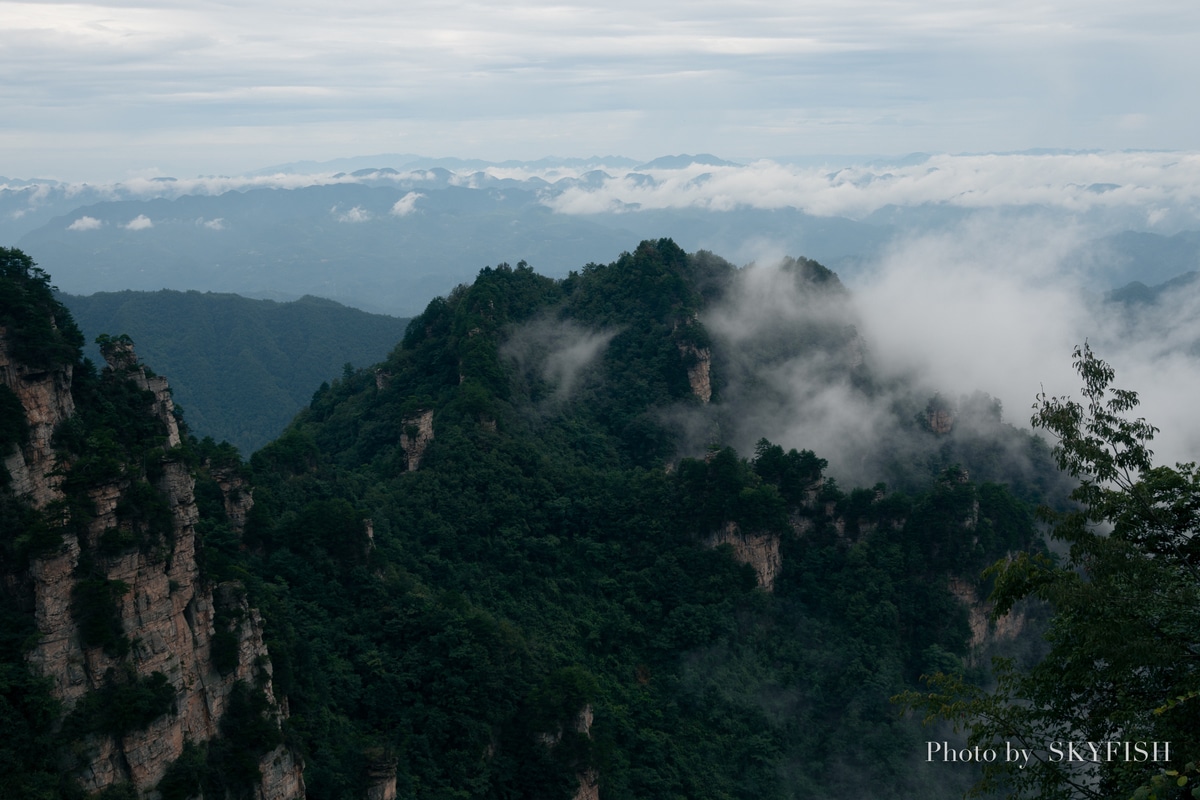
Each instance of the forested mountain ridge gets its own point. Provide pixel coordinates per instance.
(241, 368)
(492, 537)
(488, 567)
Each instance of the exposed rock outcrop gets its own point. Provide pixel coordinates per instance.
(118, 354)
(46, 398)
(168, 617)
(415, 438)
(759, 550)
(699, 370)
(589, 778)
(983, 628)
(236, 496)
(381, 779)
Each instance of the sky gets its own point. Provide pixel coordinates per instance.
(110, 90)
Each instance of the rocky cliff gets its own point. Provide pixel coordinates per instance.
(120, 606)
(44, 393)
(759, 550)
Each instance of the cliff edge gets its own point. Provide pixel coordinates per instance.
(146, 659)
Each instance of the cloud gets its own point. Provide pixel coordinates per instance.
(85, 224)
(985, 307)
(354, 215)
(1067, 182)
(406, 205)
(558, 352)
(995, 308)
(217, 224)
(791, 360)
(139, 223)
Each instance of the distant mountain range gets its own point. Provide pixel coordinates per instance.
(241, 368)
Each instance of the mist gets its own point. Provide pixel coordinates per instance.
(556, 352)
(981, 317)
(989, 308)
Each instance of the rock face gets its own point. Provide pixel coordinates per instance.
(381, 780)
(46, 398)
(418, 433)
(168, 616)
(759, 550)
(237, 498)
(589, 779)
(983, 628)
(699, 370)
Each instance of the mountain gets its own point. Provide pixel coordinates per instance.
(500, 564)
(682, 161)
(520, 557)
(242, 368)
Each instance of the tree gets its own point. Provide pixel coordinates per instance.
(1123, 663)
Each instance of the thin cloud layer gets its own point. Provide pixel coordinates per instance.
(1161, 187)
(1157, 191)
(558, 352)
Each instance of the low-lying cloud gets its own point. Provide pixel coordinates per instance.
(1157, 191)
(1163, 187)
(85, 224)
(986, 310)
(353, 215)
(991, 308)
(558, 352)
(139, 223)
(406, 205)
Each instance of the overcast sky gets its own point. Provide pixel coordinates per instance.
(107, 90)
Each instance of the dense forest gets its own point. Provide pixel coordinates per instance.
(519, 557)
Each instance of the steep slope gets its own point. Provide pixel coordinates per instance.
(493, 571)
(138, 664)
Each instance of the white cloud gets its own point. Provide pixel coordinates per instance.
(217, 224)
(407, 204)
(1064, 181)
(139, 223)
(984, 307)
(85, 224)
(355, 214)
(990, 307)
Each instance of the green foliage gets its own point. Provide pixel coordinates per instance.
(94, 604)
(114, 432)
(126, 702)
(185, 776)
(40, 332)
(28, 713)
(247, 733)
(1126, 601)
(226, 766)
